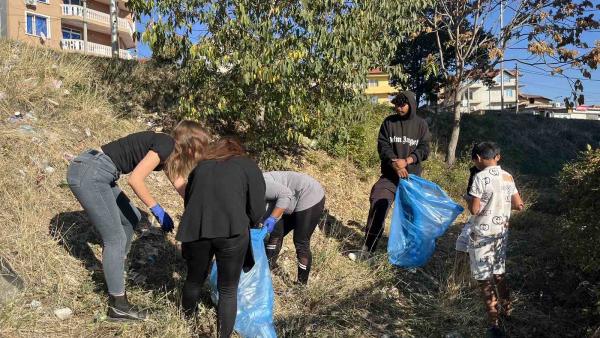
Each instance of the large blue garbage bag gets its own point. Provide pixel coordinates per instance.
(422, 213)
(255, 293)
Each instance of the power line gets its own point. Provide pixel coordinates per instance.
(555, 76)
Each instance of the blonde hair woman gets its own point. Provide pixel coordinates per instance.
(93, 177)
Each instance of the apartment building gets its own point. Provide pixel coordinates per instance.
(378, 88)
(82, 26)
(480, 97)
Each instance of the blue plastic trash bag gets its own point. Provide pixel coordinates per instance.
(422, 213)
(255, 293)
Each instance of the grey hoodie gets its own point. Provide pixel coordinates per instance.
(292, 191)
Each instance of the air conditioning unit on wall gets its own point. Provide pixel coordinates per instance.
(30, 2)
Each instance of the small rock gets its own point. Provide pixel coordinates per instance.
(64, 313)
(67, 92)
(22, 172)
(49, 170)
(68, 157)
(54, 66)
(3, 96)
(35, 304)
(57, 84)
(52, 102)
(88, 132)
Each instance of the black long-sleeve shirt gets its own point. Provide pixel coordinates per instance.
(222, 199)
(401, 137)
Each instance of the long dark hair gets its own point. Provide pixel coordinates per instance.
(223, 149)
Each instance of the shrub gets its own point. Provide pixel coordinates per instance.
(356, 141)
(580, 187)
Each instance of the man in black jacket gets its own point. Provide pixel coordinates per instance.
(403, 144)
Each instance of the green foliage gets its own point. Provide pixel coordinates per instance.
(580, 188)
(452, 179)
(275, 69)
(356, 141)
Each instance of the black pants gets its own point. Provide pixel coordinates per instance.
(230, 253)
(382, 196)
(303, 223)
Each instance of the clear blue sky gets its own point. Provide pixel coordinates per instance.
(535, 81)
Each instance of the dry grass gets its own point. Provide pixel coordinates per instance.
(47, 239)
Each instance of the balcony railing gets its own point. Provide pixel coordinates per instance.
(96, 16)
(93, 48)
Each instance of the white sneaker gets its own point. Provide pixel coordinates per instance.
(361, 255)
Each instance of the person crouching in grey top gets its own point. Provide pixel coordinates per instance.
(296, 202)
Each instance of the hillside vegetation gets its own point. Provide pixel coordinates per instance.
(46, 238)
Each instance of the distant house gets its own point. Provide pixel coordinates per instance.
(480, 97)
(585, 113)
(378, 88)
(534, 100)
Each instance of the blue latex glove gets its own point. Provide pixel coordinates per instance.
(269, 223)
(166, 222)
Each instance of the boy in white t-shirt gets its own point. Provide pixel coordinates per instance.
(491, 198)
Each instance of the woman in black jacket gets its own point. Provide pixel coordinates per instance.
(225, 196)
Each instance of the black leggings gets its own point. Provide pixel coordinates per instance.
(382, 196)
(230, 253)
(303, 223)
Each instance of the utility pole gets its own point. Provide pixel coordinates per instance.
(502, 60)
(85, 32)
(517, 87)
(114, 29)
(469, 99)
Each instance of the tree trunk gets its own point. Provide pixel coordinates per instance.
(451, 154)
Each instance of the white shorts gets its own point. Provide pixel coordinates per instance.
(487, 255)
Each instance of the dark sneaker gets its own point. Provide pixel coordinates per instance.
(119, 309)
(494, 332)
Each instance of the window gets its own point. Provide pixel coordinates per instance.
(37, 25)
(508, 92)
(468, 95)
(373, 83)
(72, 2)
(374, 99)
(70, 33)
(44, 1)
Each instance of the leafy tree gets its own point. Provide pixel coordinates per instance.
(553, 29)
(288, 68)
(416, 58)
